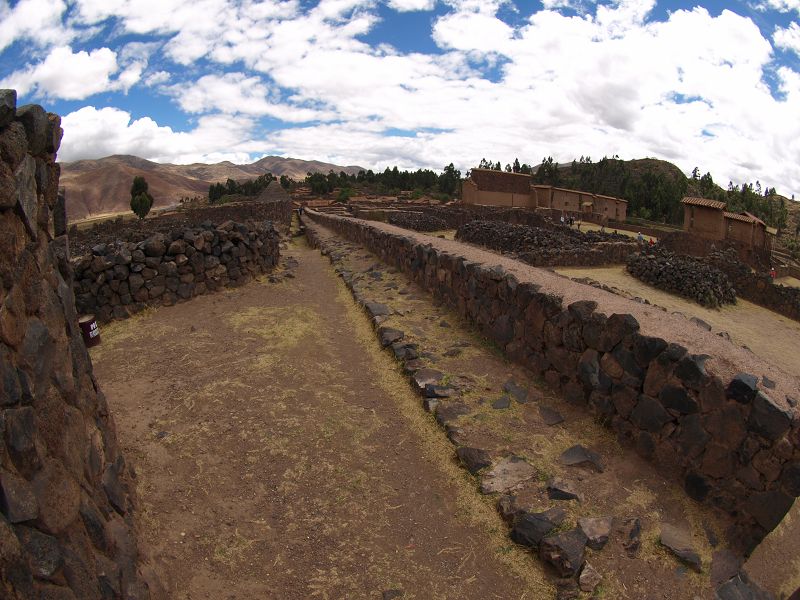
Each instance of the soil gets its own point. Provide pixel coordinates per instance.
(769, 335)
(279, 454)
(628, 487)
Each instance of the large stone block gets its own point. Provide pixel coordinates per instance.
(768, 419)
(8, 106)
(34, 119)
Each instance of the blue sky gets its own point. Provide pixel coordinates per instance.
(417, 83)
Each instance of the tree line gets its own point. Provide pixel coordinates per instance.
(653, 188)
(250, 187)
(390, 181)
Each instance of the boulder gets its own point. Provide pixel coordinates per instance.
(597, 530)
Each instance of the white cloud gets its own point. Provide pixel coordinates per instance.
(36, 20)
(411, 5)
(157, 78)
(609, 80)
(236, 93)
(90, 132)
(788, 38)
(73, 76)
(779, 5)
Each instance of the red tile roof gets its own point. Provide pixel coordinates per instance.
(744, 218)
(704, 202)
(488, 180)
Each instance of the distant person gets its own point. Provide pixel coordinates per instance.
(772, 273)
(562, 219)
(640, 238)
(651, 243)
(602, 228)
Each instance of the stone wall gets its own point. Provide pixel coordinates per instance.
(687, 243)
(66, 497)
(552, 246)
(757, 288)
(82, 241)
(732, 445)
(122, 278)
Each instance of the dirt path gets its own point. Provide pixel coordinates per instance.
(281, 455)
(769, 335)
(628, 487)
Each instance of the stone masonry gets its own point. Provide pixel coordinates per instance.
(122, 278)
(731, 443)
(66, 497)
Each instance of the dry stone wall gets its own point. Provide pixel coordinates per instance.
(553, 246)
(732, 444)
(756, 287)
(682, 275)
(81, 242)
(122, 278)
(66, 497)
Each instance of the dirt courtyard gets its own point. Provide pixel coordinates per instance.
(279, 454)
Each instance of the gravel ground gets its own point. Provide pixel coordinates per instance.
(726, 358)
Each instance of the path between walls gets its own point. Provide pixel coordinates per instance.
(280, 454)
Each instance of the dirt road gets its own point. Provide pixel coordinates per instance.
(280, 455)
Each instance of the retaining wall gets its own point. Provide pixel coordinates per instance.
(122, 278)
(65, 489)
(732, 445)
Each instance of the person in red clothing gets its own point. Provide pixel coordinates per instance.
(772, 273)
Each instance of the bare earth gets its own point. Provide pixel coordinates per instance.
(769, 335)
(628, 487)
(281, 455)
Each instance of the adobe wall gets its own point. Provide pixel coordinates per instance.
(66, 498)
(685, 242)
(727, 438)
(122, 278)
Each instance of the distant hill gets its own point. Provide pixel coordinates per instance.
(103, 185)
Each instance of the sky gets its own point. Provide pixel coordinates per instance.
(418, 83)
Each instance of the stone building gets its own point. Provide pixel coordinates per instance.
(499, 188)
(708, 219)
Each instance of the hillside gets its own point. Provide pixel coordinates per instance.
(103, 185)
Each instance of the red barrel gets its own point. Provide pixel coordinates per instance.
(90, 331)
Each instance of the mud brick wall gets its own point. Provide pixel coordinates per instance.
(65, 493)
(122, 278)
(730, 443)
(687, 243)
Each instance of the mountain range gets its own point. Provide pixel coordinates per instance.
(102, 186)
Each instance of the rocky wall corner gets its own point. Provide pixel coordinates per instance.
(66, 496)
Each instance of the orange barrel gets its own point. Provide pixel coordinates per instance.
(90, 331)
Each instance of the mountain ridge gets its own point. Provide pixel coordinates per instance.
(102, 185)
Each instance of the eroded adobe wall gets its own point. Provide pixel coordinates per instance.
(65, 489)
(121, 278)
(732, 444)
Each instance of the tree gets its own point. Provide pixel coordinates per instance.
(517, 168)
(141, 200)
(449, 180)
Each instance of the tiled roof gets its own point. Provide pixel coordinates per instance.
(742, 218)
(488, 180)
(704, 202)
(757, 220)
